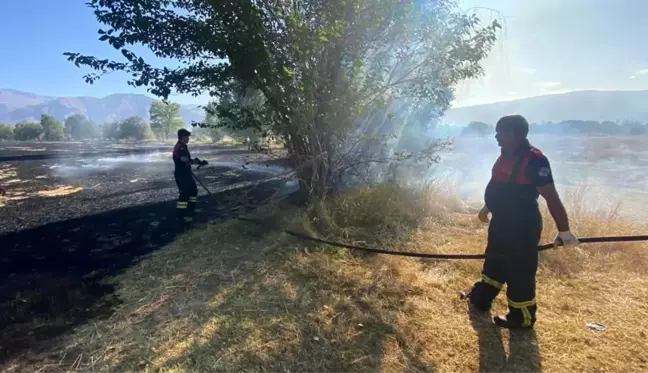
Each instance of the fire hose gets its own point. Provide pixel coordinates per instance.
(544, 247)
(445, 256)
(200, 181)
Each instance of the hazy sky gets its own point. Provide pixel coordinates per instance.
(553, 46)
(547, 46)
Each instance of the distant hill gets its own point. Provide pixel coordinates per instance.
(578, 105)
(16, 106)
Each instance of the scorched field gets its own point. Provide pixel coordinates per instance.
(78, 212)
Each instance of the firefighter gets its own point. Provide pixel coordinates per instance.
(187, 188)
(519, 176)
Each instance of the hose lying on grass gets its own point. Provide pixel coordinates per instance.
(446, 256)
(434, 256)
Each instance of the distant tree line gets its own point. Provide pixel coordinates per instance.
(75, 127)
(165, 121)
(567, 127)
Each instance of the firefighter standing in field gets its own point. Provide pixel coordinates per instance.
(187, 188)
(519, 175)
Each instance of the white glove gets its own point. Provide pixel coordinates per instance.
(566, 238)
(483, 215)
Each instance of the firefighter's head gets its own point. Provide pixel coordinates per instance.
(183, 135)
(511, 131)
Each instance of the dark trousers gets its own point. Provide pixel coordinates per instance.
(511, 259)
(188, 193)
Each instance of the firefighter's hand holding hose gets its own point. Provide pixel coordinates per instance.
(199, 162)
(483, 214)
(567, 239)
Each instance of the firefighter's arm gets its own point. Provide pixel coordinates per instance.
(557, 210)
(541, 176)
(555, 205)
(185, 157)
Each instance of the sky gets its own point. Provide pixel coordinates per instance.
(555, 46)
(549, 46)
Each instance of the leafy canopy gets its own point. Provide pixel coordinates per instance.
(135, 128)
(165, 119)
(110, 130)
(79, 127)
(310, 71)
(52, 129)
(289, 50)
(25, 131)
(6, 132)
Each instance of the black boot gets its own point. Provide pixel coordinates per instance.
(480, 297)
(508, 322)
(472, 305)
(478, 307)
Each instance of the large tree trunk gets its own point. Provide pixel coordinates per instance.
(312, 165)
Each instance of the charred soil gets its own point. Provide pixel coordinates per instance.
(71, 223)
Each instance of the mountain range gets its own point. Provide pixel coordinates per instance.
(577, 105)
(18, 106)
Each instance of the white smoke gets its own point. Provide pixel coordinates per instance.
(88, 166)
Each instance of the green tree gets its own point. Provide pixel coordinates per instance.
(53, 130)
(6, 132)
(211, 126)
(165, 119)
(135, 128)
(477, 129)
(79, 127)
(26, 131)
(310, 71)
(110, 130)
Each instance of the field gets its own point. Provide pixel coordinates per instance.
(76, 212)
(109, 284)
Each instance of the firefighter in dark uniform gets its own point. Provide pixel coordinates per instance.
(187, 188)
(519, 175)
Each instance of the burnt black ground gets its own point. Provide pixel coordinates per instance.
(58, 251)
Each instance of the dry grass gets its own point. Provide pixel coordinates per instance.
(62, 190)
(234, 297)
(9, 177)
(26, 149)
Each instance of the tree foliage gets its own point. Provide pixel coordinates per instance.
(211, 126)
(478, 129)
(53, 130)
(165, 119)
(110, 130)
(79, 127)
(134, 128)
(6, 132)
(311, 71)
(25, 131)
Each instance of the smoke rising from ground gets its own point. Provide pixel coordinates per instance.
(75, 168)
(609, 169)
(613, 169)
